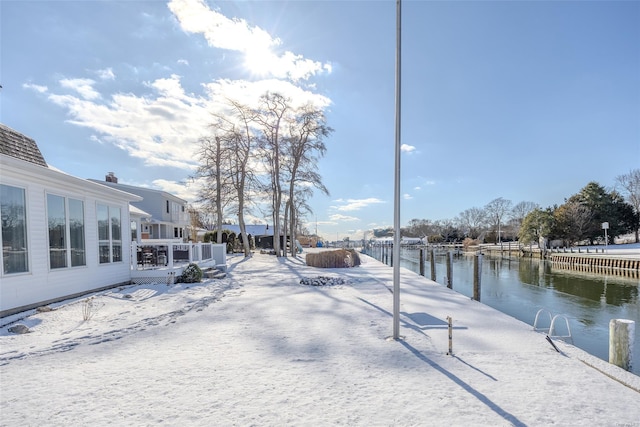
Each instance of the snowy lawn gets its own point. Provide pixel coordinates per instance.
(261, 348)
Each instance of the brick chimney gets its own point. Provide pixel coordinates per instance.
(111, 177)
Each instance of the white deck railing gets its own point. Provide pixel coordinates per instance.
(154, 254)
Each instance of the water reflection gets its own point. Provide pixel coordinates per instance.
(598, 288)
(520, 287)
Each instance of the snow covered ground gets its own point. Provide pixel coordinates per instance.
(629, 250)
(260, 348)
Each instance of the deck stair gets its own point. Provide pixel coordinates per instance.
(213, 273)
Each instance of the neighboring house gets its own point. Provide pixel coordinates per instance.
(262, 234)
(164, 216)
(61, 236)
(138, 217)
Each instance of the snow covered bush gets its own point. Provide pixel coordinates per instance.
(191, 274)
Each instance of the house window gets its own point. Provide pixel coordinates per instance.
(116, 234)
(13, 211)
(109, 234)
(134, 231)
(57, 220)
(65, 218)
(76, 233)
(167, 206)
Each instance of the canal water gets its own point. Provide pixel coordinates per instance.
(520, 287)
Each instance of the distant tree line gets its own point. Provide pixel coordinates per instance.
(579, 219)
(261, 158)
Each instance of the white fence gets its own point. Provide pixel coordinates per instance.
(161, 260)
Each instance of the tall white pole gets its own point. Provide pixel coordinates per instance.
(396, 203)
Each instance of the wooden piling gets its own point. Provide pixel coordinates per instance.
(433, 264)
(477, 274)
(421, 263)
(621, 336)
(449, 270)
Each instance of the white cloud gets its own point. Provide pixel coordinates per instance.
(343, 218)
(417, 188)
(248, 93)
(236, 34)
(150, 126)
(106, 74)
(357, 204)
(407, 196)
(407, 148)
(83, 86)
(183, 62)
(37, 88)
(196, 17)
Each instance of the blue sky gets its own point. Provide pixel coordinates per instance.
(528, 101)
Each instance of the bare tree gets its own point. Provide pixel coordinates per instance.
(629, 187)
(237, 138)
(263, 151)
(472, 220)
(269, 117)
(215, 191)
(496, 210)
(303, 145)
(242, 178)
(225, 158)
(419, 228)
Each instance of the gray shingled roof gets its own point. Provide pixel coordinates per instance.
(15, 144)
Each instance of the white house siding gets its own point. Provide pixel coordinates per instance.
(41, 284)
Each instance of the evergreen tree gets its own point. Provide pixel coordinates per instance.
(606, 207)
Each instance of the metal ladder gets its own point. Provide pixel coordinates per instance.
(551, 330)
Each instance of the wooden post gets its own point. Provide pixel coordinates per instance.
(621, 335)
(450, 322)
(391, 263)
(477, 274)
(449, 270)
(433, 264)
(421, 263)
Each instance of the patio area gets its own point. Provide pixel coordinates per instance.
(161, 261)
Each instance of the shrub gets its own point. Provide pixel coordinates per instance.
(436, 238)
(87, 309)
(468, 242)
(340, 258)
(191, 274)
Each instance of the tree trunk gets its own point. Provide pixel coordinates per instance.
(243, 228)
(285, 228)
(292, 225)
